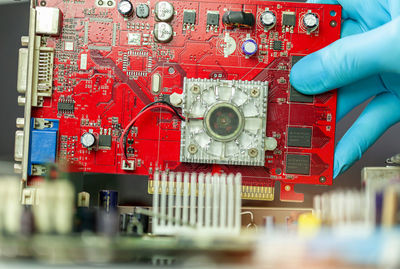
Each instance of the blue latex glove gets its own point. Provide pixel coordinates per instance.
(364, 63)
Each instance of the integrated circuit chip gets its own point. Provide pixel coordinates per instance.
(296, 96)
(295, 59)
(213, 18)
(299, 137)
(189, 17)
(297, 164)
(64, 107)
(105, 141)
(277, 45)
(288, 18)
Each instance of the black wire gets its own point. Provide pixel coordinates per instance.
(143, 109)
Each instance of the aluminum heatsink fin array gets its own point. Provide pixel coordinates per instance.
(184, 203)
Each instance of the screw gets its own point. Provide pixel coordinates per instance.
(322, 179)
(171, 70)
(253, 152)
(192, 149)
(287, 188)
(333, 23)
(255, 92)
(195, 89)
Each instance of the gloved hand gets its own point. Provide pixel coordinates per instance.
(364, 63)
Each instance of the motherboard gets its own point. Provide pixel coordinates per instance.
(141, 87)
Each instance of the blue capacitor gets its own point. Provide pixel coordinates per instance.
(249, 47)
(108, 200)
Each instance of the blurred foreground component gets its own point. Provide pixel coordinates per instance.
(215, 211)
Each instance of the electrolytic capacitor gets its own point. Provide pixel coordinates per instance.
(310, 21)
(108, 200)
(268, 19)
(163, 32)
(249, 47)
(142, 11)
(125, 8)
(164, 11)
(88, 140)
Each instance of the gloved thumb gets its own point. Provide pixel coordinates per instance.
(348, 60)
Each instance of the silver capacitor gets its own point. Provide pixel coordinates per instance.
(268, 19)
(88, 140)
(163, 32)
(310, 21)
(164, 11)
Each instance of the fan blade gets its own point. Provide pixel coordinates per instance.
(209, 96)
(202, 139)
(253, 125)
(239, 97)
(245, 140)
(197, 110)
(250, 110)
(224, 93)
(216, 148)
(195, 126)
(231, 149)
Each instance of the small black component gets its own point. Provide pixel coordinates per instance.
(130, 141)
(125, 8)
(189, 17)
(238, 19)
(297, 164)
(131, 150)
(213, 18)
(142, 11)
(288, 18)
(277, 45)
(295, 59)
(299, 137)
(64, 107)
(296, 96)
(105, 141)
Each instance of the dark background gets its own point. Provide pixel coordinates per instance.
(14, 23)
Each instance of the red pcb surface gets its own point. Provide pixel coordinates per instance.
(104, 64)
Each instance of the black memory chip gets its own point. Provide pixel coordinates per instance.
(296, 96)
(288, 18)
(299, 137)
(213, 18)
(105, 141)
(189, 17)
(277, 45)
(295, 59)
(297, 164)
(65, 107)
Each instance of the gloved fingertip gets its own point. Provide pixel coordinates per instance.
(306, 75)
(336, 168)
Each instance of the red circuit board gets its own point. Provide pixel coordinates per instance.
(104, 64)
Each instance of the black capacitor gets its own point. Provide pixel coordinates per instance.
(142, 11)
(108, 200)
(125, 8)
(238, 18)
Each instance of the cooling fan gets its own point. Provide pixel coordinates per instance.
(225, 122)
